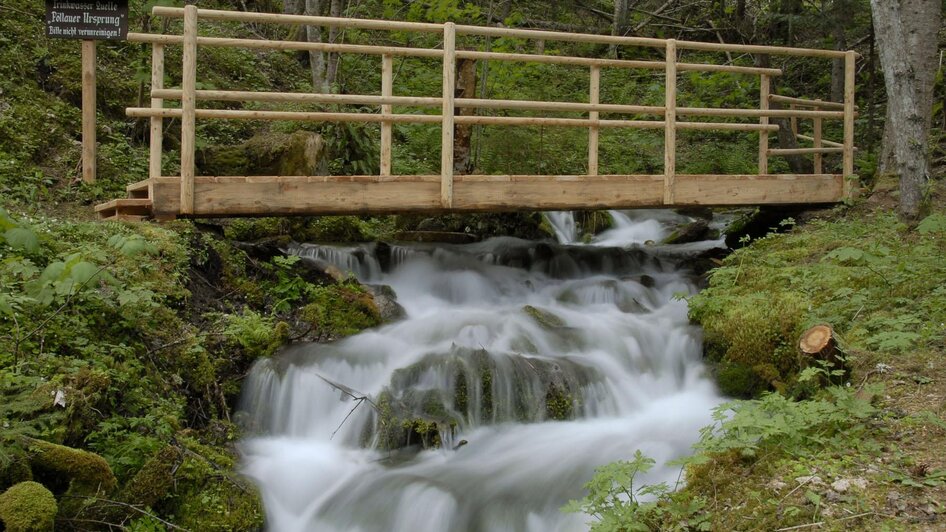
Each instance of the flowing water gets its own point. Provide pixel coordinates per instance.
(519, 368)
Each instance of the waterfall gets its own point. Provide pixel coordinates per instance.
(520, 367)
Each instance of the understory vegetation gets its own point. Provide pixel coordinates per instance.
(854, 442)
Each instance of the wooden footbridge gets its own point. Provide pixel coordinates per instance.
(187, 194)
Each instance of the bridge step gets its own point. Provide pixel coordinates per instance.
(139, 190)
(129, 209)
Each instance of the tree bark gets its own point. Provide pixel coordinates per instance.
(505, 10)
(331, 73)
(619, 26)
(906, 38)
(316, 58)
(292, 7)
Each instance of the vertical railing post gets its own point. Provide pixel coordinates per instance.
(816, 139)
(670, 122)
(89, 140)
(764, 88)
(848, 154)
(188, 106)
(594, 98)
(449, 86)
(157, 123)
(387, 90)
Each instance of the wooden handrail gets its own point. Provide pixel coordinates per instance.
(803, 102)
(314, 116)
(488, 31)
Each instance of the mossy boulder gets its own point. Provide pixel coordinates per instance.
(155, 480)
(752, 339)
(543, 317)
(299, 153)
(208, 496)
(16, 470)
(28, 507)
(339, 310)
(590, 223)
(476, 387)
(88, 472)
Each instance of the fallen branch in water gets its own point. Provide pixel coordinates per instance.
(356, 395)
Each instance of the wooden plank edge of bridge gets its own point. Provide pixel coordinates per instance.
(226, 196)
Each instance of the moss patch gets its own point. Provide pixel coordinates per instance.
(28, 507)
(89, 472)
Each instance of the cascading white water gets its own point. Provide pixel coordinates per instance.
(529, 363)
(563, 223)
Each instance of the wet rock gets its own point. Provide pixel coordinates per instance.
(544, 318)
(692, 232)
(386, 300)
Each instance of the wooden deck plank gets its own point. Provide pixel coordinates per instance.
(223, 196)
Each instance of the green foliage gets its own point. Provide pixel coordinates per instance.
(619, 505)
(833, 421)
(258, 335)
(873, 279)
(28, 507)
(340, 310)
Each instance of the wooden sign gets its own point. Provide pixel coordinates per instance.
(87, 19)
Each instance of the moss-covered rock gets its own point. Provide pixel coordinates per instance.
(155, 480)
(543, 317)
(299, 153)
(88, 472)
(340, 310)
(16, 470)
(208, 496)
(590, 223)
(28, 507)
(752, 337)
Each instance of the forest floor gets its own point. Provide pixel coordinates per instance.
(865, 452)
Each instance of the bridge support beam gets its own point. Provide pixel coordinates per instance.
(188, 109)
(670, 123)
(764, 89)
(449, 86)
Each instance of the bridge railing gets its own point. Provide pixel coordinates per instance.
(666, 116)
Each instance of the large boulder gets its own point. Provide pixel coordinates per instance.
(301, 153)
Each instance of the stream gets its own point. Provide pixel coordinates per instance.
(519, 367)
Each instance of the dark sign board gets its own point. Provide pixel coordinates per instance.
(87, 19)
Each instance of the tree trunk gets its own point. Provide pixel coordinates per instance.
(906, 38)
(505, 10)
(316, 58)
(619, 26)
(463, 133)
(837, 66)
(333, 58)
(799, 164)
(292, 7)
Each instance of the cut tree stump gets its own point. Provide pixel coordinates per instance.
(819, 343)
